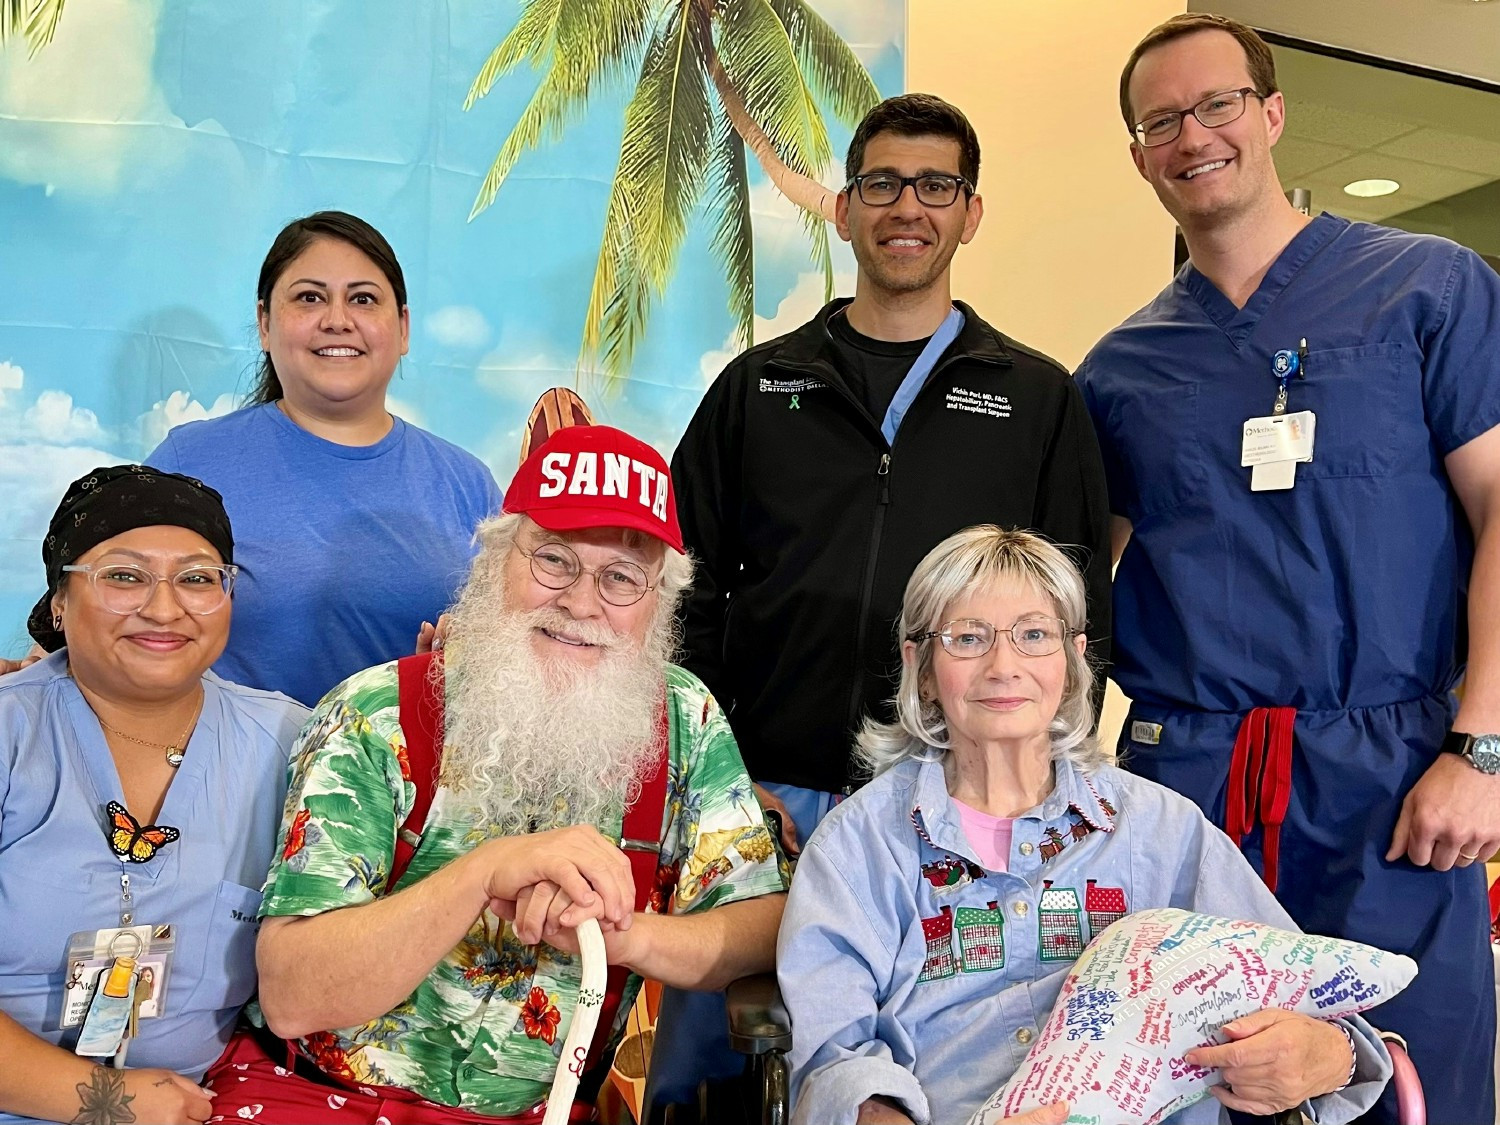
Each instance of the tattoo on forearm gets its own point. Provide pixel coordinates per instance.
(103, 1099)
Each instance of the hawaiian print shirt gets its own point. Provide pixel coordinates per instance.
(484, 1030)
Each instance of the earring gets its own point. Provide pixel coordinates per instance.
(57, 623)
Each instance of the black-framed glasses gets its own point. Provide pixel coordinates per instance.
(968, 637)
(125, 589)
(1212, 112)
(556, 566)
(935, 189)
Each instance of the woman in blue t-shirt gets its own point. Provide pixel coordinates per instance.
(356, 527)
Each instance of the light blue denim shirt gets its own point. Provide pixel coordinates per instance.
(911, 972)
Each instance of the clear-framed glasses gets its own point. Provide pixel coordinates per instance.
(969, 637)
(1212, 112)
(125, 589)
(935, 189)
(556, 566)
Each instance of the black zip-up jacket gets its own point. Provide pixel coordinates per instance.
(806, 525)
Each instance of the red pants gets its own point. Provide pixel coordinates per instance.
(249, 1085)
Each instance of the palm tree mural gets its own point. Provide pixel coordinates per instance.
(34, 20)
(716, 77)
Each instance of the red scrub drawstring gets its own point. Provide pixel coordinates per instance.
(1260, 781)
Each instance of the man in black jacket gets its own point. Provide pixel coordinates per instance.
(820, 467)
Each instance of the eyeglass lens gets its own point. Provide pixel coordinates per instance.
(621, 582)
(1033, 635)
(1211, 112)
(879, 190)
(128, 589)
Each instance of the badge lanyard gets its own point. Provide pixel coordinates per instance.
(1273, 445)
(133, 970)
(916, 375)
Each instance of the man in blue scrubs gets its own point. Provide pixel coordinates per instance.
(1291, 630)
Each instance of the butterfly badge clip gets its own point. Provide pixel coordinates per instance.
(130, 841)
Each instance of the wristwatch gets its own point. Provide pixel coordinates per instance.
(1482, 750)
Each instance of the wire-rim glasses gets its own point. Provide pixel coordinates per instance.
(556, 566)
(969, 637)
(125, 589)
(1212, 112)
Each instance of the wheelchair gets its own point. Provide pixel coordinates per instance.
(760, 1029)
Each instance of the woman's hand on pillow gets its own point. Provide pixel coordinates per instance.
(1276, 1060)
(1054, 1114)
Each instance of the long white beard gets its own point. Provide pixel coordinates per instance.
(534, 743)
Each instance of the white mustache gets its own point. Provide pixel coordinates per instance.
(556, 621)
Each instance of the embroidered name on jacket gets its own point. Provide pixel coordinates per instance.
(977, 402)
(584, 479)
(789, 386)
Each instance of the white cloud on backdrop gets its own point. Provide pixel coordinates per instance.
(96, 74)
(862, 23)
(780, 235)
(54, 418)
(177, 408)
(33, 476)
(457, 326)
(794, 310)
(51, 419)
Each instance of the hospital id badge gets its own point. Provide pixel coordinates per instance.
(1278, 437)
(1274, 476)
(90, 955)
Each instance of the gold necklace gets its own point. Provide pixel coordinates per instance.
(173, 750)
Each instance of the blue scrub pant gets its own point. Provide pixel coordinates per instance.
(692, 1038)
(1350, 772)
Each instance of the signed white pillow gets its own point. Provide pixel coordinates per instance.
(1159, 982)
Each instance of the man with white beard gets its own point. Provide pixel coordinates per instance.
(445, 986)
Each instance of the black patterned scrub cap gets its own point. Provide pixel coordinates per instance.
(115, 499)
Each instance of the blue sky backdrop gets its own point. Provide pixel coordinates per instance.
(150, 153)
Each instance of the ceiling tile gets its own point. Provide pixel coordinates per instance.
(1297, 156)
(1433, 146)
(1334, 125)
(1417, 180)
(1328, 193)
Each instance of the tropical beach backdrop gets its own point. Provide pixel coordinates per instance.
(612, 195)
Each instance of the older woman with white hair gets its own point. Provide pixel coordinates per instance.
(934, 913)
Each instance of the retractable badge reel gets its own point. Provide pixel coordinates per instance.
(118, 976)
(1272, 445)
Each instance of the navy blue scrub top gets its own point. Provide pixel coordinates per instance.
(1347, 590)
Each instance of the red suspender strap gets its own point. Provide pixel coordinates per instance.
(1260, 782)
(420, 701)
(640, 837)
(421, 710)
(640, 832)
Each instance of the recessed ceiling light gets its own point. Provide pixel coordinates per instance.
(1369, 189)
